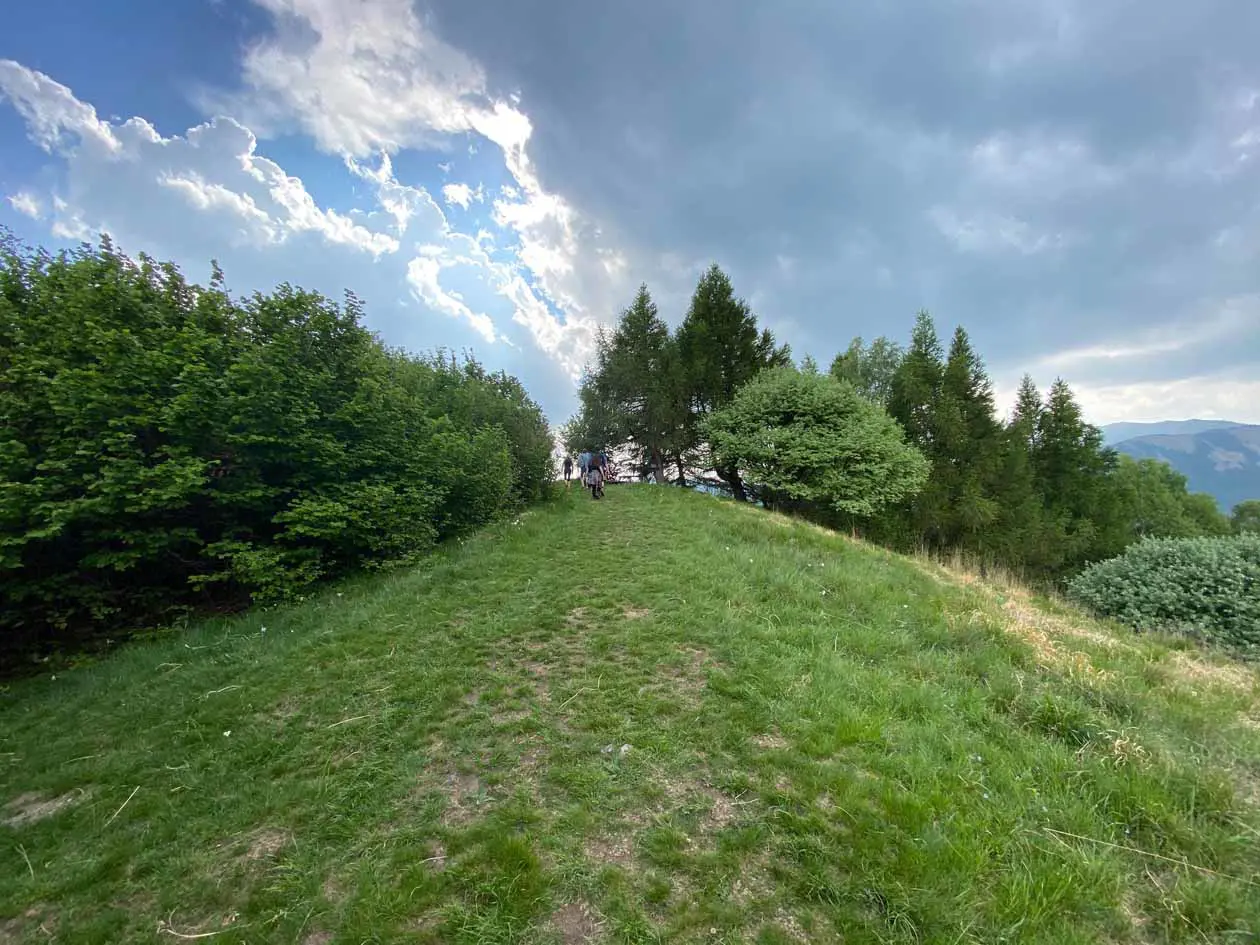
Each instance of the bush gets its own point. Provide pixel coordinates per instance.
(1208, 587)
(806, 441)
(165, 447)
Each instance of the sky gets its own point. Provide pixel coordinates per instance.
(1077, 183)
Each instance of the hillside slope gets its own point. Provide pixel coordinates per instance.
(1223, 463)
(657, 718)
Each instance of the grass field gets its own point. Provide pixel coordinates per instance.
(657, 718)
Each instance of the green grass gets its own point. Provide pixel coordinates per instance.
(827, 743)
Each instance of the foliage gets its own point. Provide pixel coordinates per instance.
(870, 368)
(807, 439)
(1154, 502)
(1246, 517)
(164, 447)
(635, 394)
(1206, 586)
(827, 743)
(649, 391)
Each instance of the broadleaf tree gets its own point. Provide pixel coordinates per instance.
(812, 443)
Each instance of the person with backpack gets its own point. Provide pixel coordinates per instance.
(584, 463)
(568, 470)
(595, 480)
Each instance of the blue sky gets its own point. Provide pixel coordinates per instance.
(1075, 182)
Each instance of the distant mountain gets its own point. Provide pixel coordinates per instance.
(1116, 433)
(1224, 463)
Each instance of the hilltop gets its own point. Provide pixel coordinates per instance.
(660, 717)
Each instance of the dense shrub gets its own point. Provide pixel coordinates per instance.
(1206, 586)
(165, 447)
(809, 442)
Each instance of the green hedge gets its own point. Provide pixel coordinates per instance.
(1209, 587)
(166, 448)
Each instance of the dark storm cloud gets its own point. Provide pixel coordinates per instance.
(1052, 174)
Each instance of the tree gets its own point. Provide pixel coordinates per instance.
(721, 350)
(164, 447)
(913, 401)
(637, 384)
(809, 440)
(1246, 517)
(969, 445)
(1153, 502)
(869, 369)
(1072, 466)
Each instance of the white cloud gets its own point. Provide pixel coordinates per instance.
(462, 195)
(985, 233)
(1049, 167)
(422, 273)
(363, 81)
(370, 77)
(51, 111)
(1225, 396)
(1232, 319)
(26, 204)
(209, 193)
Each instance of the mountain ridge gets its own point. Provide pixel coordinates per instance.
(1223, 462)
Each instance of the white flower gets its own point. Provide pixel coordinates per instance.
(227, 733)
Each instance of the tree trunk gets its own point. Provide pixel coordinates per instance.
(658, 465)
(732, 478)
(682, 472)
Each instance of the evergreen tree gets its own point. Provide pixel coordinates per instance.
(721, 350)
(914, 399)
(1072, 466)
(969, 448)
(1019, 531)
(916, 384)
(869, 368)
(636, 384)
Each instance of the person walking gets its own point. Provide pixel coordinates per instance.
(568, 470)
(595, 480)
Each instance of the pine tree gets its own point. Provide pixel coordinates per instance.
(916, 384)
(969, 445)
(914, 401)
(635, 382)
(1072, 466)
(721, 350)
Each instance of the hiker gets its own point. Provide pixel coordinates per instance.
(595, 479)
(584, 463)
(568, 470)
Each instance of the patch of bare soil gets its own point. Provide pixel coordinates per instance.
(790, 926)
(576, 923)
(318, 938)
(333, 890)
(770, 741)
(635, 613)
(509, 716)
(30, 808)
(36, 919)
(463, 796)
(723, 812)
(579, 618)
(611, 850)
(265, 844)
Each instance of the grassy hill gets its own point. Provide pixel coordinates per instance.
(661, 717)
